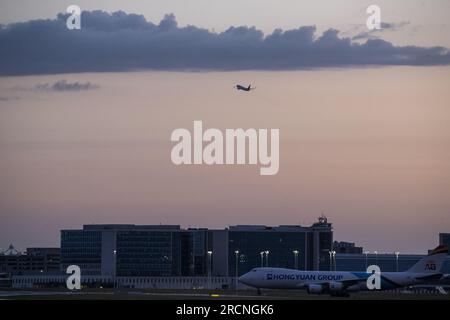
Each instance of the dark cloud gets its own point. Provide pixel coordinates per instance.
(393, 26)
(63, 85)
(8, 98)
(121, 42)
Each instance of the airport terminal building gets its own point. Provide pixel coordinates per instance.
(168, 250)
(168, 256)
(134, 250)
(294, 247)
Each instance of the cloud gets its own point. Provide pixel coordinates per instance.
(4, 99)
(375, 33)
(63, 85)
(123, 42)
(393, 26)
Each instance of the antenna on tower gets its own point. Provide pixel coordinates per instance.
(323, 218)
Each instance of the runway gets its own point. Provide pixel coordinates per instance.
(110, 294)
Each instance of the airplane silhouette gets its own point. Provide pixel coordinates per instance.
(239, 87)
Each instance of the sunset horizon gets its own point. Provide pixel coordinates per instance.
(224, 150)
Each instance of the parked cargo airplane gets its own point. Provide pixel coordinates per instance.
(341, 283)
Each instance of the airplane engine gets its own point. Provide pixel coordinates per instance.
(355, 288)
(315, 289)
(336, 286)
(337, 289)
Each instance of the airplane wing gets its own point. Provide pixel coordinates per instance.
(445, 279)
(431, 277)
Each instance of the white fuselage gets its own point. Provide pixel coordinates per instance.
(280, 278)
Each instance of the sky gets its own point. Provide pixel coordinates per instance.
(86, 117)
(366, 147)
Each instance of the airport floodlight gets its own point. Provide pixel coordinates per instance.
(396, 260)
(236, 274)
(209, 252)
(366, 253)
(332, 254)
(295, 252)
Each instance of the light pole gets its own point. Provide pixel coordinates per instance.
(115, 266)
(334, 259)
(295, 252)
(396, 260)
(331, 261)
(267, 258)
(366, 253)
(262, 258)
(209, 267)
(236, 253)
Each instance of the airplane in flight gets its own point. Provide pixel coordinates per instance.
(341, 283)
(239, 87)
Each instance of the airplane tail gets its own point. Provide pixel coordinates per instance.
(432, 263)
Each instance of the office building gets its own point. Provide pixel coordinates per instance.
(135, 250)
(346, 247)
(444, 239)
(240, 248)
(168, 250)
(388, 262)
(32, 261)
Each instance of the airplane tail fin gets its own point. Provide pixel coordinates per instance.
(432, 263)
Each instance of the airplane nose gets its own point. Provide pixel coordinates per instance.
(243, 279)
